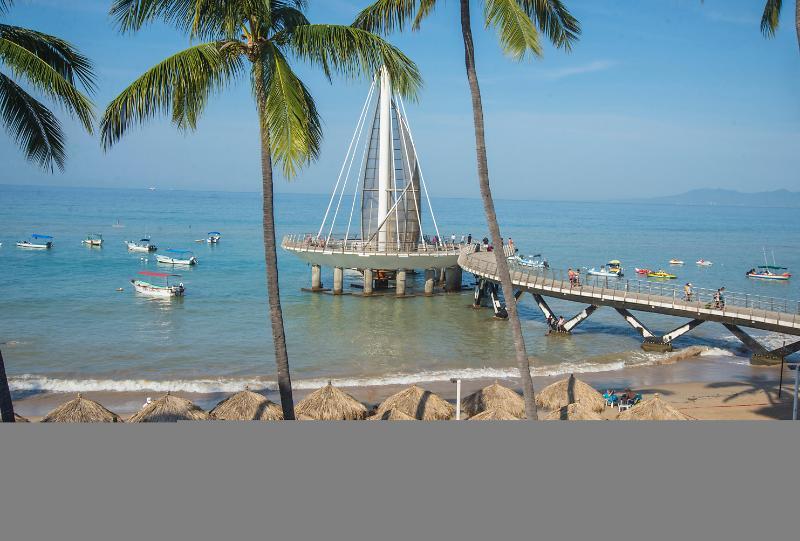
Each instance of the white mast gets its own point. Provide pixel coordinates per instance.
(385, 164)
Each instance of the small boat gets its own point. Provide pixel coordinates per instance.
(661, 274)
(704, 262)
(146, 288)
(531, 261)
(768, 272)
(37, 242)
(118, 225)
(615, 266)
(142, 245)
(643, 271)
(602, 272)
(213, 237)
(93, 239)
(675, 262)
(177, 257)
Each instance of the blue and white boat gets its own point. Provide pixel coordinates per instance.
(213, 237)
(37, 242)
(531, 261)
(177, 257)
(143, 245)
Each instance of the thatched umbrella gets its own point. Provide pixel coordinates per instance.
(654, 409)
(568, 391)
(391, 415)
(81, 410)
(169, 409)
(494, 396)
(331, 404)
(247, 406)
(495, 414)
(418, 403)
(573, 412)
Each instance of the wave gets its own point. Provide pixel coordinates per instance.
(717, 352)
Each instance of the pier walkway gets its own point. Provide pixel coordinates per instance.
(739, 310)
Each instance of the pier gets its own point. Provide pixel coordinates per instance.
(739, 311)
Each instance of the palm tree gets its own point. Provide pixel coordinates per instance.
(52, 67)
(771, 17)
(266, 34)
(516, 22)
(6, 405)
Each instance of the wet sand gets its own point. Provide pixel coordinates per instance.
(701, 387)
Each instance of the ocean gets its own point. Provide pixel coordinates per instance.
(64, 327)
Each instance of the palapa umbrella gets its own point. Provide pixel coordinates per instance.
(247, 406)
(169, 409)
(569, 391)
(654, 409)
(494, 396)
(331, 404)
(495, 414)
(391, 415)
(573, 412)
(418, 403)
(81, 410)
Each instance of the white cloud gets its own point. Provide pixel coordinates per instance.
(591, 67)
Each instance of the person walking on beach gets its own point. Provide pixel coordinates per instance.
(687, 292)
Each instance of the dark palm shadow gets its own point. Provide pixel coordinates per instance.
(777, 408)
(420, 413)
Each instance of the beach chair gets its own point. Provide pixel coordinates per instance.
(611, 399)
(629, 402)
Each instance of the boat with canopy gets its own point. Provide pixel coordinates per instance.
(177, 257)
(93, 239)
(142, 245)
(767, 271)
(532, 261)
(213, 237)
(152, 290)
(604, 272)
(37, 242)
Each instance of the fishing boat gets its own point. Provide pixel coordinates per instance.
(177, 257)
(769, 272)
(676, 262)
(602, 272)
(93, 239)
(151, 290)
(37, 242)
(531, 262)
(142, 245)
(213, 237)
(704, 262)
(661, 274)
(643, 271)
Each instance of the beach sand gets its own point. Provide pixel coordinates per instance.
(701, 387)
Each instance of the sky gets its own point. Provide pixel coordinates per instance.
(658, 97)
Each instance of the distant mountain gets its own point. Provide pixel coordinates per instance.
(776, 198)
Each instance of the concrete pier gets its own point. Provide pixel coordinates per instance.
(453, 279)
(400, 283)
(316, 277)
(368, 281)
(338, 280)
(430, 275)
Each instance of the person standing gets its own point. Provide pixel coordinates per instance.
(511, 245)
(469, 238)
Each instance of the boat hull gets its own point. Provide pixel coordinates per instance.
(34, 246)
(174, 261)
(150, 290)
(92, 242)
(133, 247)
(770, 276)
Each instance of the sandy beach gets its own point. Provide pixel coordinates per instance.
(702, 387)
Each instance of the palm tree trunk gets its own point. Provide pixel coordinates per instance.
(271, 260)
(491, 217)
(6, 406)
(797, 20)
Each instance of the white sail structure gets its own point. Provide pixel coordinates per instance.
(374, 219)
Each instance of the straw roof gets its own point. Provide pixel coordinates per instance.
(391, 415)
(653, 409)
(494, 396)
(495, 414)
(573, 412)
(418, 403)
(331, 404)
(81, 410)
(568, 391)
(247, 406)
(169, 409)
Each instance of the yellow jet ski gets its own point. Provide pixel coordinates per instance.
(661, 274)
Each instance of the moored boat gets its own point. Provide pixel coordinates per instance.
(152, 290)
(661, 274)
(768, 272)
(704, 262)
(643, 271)
(603, 272)
(142, 245)
(615, 266)
(37, 242)
(531, 261)
(676, 262)
(177, 257)
(93, 239)
(213, 237)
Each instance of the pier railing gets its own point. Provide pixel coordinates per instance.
(702, 300)
(308, 243)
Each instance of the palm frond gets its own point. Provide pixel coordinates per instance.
(180, 84)
(288, 112)
(553, 19)
(42, 76)
(425, 9)
(4, 5)
(515, 29)
(59, 54)
(386, 16)
(771, 18)
(31, 125)
(353, 52)
(207, 19)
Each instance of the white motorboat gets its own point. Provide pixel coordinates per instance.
(704, 262)
(213, 237)
(93, 239)
(602, 272)
(530, 262)
(37, 242)
(152, 290)
(676, 262)
(142, 245)
(177, 257)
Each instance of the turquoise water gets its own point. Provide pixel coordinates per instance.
(64, 326)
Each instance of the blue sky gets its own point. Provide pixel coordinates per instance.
(658, 97)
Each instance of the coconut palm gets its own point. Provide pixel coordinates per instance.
(516, 22)
(52, 67)
(771, 18)
(264, 36)
(6, 405)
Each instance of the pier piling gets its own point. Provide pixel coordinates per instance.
(338, 280)
(316, 278)
(400, 283)
(429, 279)
(367, 281)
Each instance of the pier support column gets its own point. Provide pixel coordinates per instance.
(569, 324)
(400, 283)
(442, 277)
(367, 281)
(761, 355)
(338, 280)
(652, 342)
(500, 311)
(479, 293)
(316, 277)
(429, 279)
(453, 279)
